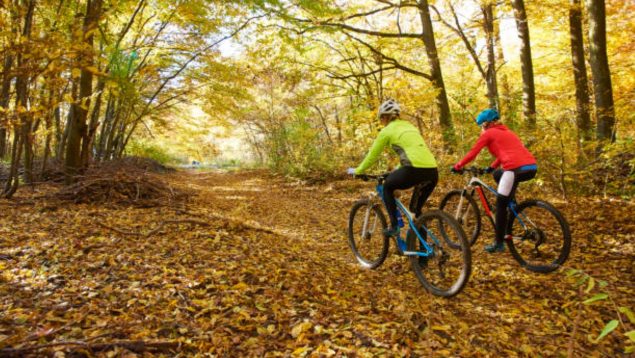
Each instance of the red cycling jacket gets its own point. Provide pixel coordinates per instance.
(504, 145)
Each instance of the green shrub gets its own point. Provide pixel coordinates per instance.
(297, 149)
(149, 150)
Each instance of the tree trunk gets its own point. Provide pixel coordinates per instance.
(106, 127)
(529, 90)
(504, 95)
(48, 123)
(113, 132)
(338, 124)
(427, 36)
(3, 142)
(47, 144)
(602, 88)
(64, 136)
(324, 124)
(21, 99)
(583, 118)
(79, 108)
(490, 79)
(74, 133)
(488, 73)
(11, 186)
(126, 137)
(87, 144)
(7, 77)
(5, 96)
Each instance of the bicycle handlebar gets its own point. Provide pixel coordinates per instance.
(367, 177)
(476, 171)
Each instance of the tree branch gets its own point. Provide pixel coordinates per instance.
(356, 29)
(392, 61)
(358, 75)
(364, 14)
(195, 56)
(459, 31)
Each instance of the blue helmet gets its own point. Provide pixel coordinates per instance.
(487, 115)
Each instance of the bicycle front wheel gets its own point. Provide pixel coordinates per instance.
(446, 271)
(541, 239)
(366, 238)
(462, 207)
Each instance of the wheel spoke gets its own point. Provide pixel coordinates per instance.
(366, 223)
(463, 208)
(447, 269)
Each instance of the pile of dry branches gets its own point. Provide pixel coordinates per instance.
(51, 172)
(4, 172)
(122, 182)
(140, 163)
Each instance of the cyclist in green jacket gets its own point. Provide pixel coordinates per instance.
(418, 167)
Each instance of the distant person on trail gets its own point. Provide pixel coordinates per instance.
(517, 163)
(418, 167)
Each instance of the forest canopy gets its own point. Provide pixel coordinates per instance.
(295, 85)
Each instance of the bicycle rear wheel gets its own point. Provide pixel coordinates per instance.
(468, 214)
(448, 269)
(541, 236)
(366, 238)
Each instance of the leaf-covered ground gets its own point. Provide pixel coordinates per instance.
(259, 265)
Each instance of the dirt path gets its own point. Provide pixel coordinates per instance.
(271, 274)
(503, 309)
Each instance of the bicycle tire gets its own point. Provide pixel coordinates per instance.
(548, 222)
(427, 268)
(377, 236)
(471, 224)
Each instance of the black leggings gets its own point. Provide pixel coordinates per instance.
(517, 175)
(425, 179)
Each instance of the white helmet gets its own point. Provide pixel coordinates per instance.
(389, 107)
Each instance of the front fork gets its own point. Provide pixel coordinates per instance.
(372, 201)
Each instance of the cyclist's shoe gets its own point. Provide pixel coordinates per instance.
(495, 247)
(392, 232)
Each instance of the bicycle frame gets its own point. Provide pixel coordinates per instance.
(477, 185)
(429, 251)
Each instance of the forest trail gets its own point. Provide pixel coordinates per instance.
(273, 274)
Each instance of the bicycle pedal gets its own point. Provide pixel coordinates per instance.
(410, 253)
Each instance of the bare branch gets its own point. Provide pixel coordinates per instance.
(359, 75)
(392, 61)
(459, 31)
(126, 28)
(192, 59)
(371, 12)
(327, 23)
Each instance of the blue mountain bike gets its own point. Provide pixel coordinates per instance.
(435, 243)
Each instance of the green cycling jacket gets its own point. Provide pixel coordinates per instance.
(405, 140)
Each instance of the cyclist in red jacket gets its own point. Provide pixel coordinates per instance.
(517, 163)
